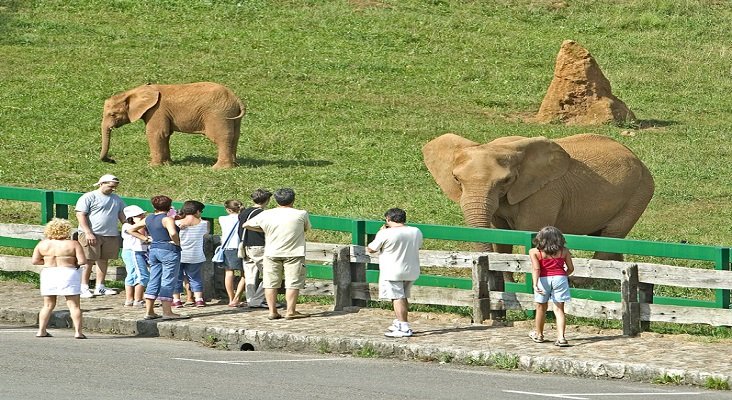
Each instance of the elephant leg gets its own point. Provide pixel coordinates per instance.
(159, 142)
(225, 134)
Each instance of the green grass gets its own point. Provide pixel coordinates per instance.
(342, 95)
(715, 383)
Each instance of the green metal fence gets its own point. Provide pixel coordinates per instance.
(57, 203)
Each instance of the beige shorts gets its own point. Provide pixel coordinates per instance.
(107, 247)
(293, 269)
(395, 290)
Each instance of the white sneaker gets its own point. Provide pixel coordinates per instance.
(399, 333)
(394, 326)
(86, 293)
(103, 291)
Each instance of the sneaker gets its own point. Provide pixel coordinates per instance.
(103, 291)
(86, 293)
(200, 303)
(139, 304)
(399, 333)
(177, 304)
(394, 326)
(536, 337)
(129, 303)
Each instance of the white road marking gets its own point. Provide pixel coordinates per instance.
(18, 330)
(257, 361)
(576, 396)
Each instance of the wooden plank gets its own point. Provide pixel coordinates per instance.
(420, 295)
(18, 263)
(630, 306)
(684, 277)
(342, 278)
(686, 315)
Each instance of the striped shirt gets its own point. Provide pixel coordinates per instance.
(191, 243)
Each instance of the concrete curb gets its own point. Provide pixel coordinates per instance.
(240, 339)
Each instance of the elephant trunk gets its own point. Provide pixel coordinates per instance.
(478, 213)
(106, 135)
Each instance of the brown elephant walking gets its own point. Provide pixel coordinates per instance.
(583, 184)
(203, 107)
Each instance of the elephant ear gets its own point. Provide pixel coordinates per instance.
(140, 100)
(537, 161)
(439, 157)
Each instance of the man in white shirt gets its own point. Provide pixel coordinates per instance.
(398, 266)
(98, 212)
(284, 251)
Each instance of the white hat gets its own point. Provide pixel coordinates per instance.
(132, 211)
(107, 178)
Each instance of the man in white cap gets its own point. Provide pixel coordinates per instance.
(98, 212)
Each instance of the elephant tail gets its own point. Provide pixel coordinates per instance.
(242, 110)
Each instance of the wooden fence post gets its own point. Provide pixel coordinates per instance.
(342, 278)
(645, 296)
(485, 281)
(629, 297)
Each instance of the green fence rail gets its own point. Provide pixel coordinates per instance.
(60, 204)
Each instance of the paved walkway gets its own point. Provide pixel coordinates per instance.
(438, 337)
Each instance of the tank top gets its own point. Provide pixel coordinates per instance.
(551, 266)
(159, 234)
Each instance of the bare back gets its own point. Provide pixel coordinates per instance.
(58, 253)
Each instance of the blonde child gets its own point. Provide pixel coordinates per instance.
(551, 263)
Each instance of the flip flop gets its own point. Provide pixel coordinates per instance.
(152, 316)
(237, 304)
(174, 317)
(46, 335)
(296, 315)
(273, 317)
(82, 336)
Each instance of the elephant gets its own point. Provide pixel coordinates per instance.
(202, 107)
(584, 184)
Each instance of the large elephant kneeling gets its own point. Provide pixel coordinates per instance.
(584, 184)
(203, 107)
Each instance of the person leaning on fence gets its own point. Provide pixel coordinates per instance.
(134, 254)
(98, 212)
(230, 242)
(284, 251)
(61, 258)
(398, 266)
(193, 230)
(551, 263)
(252, 253)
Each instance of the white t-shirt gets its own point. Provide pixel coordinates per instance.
(191, 242)
(399, 258)
(284, 231)
(228, 223)
(130, 242)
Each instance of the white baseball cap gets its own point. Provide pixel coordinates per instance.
(107, 178)
(132, 211)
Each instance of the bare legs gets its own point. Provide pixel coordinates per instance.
(401, 309)
(541, 309)
(49, 303)
(229, 284)
(540, 318)
(290, 297)
(101, 272)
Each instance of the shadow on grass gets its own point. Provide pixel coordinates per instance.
(251, 162)
(655, 123)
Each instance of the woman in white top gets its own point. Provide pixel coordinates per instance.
(230, 242)
(193, 229)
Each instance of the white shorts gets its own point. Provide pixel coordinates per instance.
(60, 281)
(394, 290)
(555, 288)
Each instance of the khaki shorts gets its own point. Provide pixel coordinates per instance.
(107, 247)
(293, 269)
(395, 290)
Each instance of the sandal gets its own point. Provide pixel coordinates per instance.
(296, 315)
(82, 336)
(561, 343)
(46, 335)
(152, 316)
(273, 317)
(237, 304)
(536, 337)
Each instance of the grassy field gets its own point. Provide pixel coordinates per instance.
(343, 94)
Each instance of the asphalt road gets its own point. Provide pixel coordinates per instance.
(121, 367)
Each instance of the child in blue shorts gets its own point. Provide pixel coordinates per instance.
(551, 264)
(134, 254)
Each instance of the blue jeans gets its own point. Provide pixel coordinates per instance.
(193, 272)
(136, 266)
(164, 266)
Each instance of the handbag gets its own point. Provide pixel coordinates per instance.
(218, 256)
